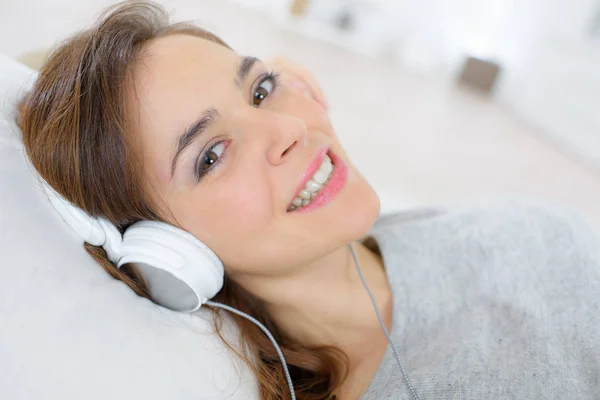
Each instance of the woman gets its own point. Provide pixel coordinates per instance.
(136, 119)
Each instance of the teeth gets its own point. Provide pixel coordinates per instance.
(326, 167)
(304, 195)
(313, 186)
(320, 177)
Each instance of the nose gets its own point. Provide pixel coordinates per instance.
(270, 133)
(284, 133)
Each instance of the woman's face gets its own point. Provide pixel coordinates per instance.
(228, 147)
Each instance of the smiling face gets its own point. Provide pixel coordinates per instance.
(228, 146)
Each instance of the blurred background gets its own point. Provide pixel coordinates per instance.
(436, 101)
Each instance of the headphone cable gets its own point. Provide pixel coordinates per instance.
(269, 335)
(385, 331)
(280, 353)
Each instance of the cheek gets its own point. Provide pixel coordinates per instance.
(241, 206)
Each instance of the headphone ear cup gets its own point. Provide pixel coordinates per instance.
(181, 272)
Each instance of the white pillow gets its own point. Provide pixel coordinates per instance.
(70, 331)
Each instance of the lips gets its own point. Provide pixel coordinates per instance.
(335, 173)
(311, 169)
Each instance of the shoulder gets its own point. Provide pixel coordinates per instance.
(518, 227)
(521, 216)
(504, 249)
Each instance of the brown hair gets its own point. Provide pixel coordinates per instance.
(75, 133)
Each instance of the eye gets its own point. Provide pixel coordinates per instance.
(210, 158)
(263, 90)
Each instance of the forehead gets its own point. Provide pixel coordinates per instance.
(178, 67)
(181, 56)
(177, 78)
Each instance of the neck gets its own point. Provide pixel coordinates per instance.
(327, 303)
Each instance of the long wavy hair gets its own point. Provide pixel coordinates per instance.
(76, 133)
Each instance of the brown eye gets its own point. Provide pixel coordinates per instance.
(262, 91)
(210, 158)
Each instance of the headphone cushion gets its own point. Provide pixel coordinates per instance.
(181, 272)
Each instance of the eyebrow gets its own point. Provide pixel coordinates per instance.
(244, 69)
(206, 119)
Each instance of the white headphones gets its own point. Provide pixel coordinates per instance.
(181, 272)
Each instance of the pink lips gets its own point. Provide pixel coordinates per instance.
(312, 168)
(333, 186)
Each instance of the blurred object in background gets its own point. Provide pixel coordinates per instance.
(351, 24)
(479, 74)
(299, 7)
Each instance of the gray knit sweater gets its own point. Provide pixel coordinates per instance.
(500, 301)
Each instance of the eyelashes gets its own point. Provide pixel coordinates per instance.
(259, 93)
